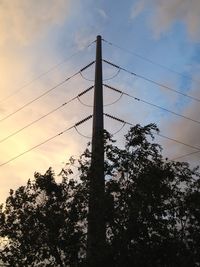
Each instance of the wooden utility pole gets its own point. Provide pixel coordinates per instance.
(96, 217)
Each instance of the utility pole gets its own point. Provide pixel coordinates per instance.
(96, 216)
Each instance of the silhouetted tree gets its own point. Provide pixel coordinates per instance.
(44, 223)
(152, 210)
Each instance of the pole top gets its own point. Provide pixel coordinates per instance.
(98, 36)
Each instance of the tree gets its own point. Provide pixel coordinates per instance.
(155, 217)
(44, 223)
(152, 210)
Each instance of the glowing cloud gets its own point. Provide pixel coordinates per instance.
(24, 20)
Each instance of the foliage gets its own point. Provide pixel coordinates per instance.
(152, 210)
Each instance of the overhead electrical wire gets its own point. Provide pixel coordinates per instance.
(44, 73)
(38, 97)
(30, 149)
(158, 134)
(106, 79)
(114, 102)
(105, 105)
(157, 106)
(151, 61)
(82, 121)
(166, 137)
(47, 114)
(120, 129)
(84, 104)
(177, 141)
(108, 115)
(153, 81)
(87, 79)
(45, 141)
(113, 76)
(151, 104)
(83, 135)
(185, 155)
(45, 93)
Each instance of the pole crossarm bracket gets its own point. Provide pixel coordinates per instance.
(82, 121)
(117, 119)
(89, 65)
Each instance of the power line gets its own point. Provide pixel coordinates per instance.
(43, 74)
(113, 76)
(45, 93)
(83, 135)
(47, 140)
(114, 102)
(106, 79)
(44, 142)
(87, 79)
(151, 61)
(120, 129)
(185, 155)
(158, 134)
(105, 105)
(177, 141)
(47, 114)
(157, 106)
(35, 99)
(152, 81)
(117, 119)
(151, 104)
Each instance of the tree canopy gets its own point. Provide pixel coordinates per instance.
(152, 210)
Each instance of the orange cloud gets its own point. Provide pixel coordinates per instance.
(23, 20)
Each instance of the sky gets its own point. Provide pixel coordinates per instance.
(44, 42)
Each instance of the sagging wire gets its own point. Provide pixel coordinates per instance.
(151, 61)
(45, 141)
(185, 155)
(153, 81)
(46, 92)
(87, 79)
(106, 105)
(160, 135)
(112, 77)
(110, 116)
(45, 115)
(152, 104)
(119, 129)
(119, 120)
(114, 102)
(106, 79)
(80, 122)
(85, 136)
(44, 73)
(80, 72)
(82, 103)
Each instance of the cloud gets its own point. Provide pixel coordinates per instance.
(25, 54)
(16, 66)
(162, 15)
(84, 37)
(24, 20)
(184, 130)
(166, 13)
(137, 9)
(102, 13)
